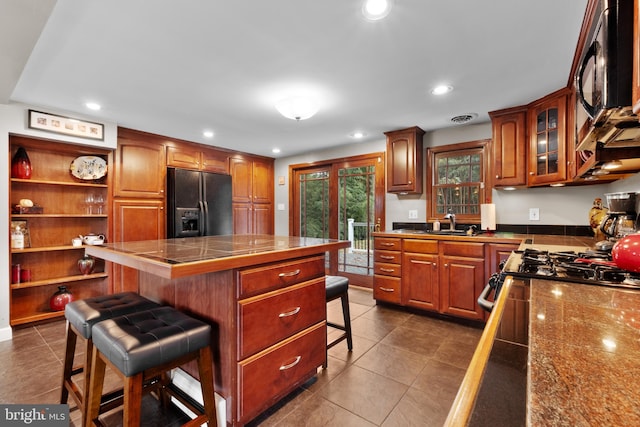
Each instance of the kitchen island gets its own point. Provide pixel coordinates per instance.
(263, 295)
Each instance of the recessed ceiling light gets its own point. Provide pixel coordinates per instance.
(441, 90)
(93, 106)
(375, 10)
(357, 135)
(275, 150)
(208, 134)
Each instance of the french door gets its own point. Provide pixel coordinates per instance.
(341, 199)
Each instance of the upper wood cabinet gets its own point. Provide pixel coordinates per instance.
(509, 147)
(140, 167)
(404, 160)
(193, 158)
(252, 195)
(547, 139)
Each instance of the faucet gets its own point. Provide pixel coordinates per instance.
(451, 217)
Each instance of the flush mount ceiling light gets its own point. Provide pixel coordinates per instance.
(92, 106)
(441, 89)
(374, 10)
(297, 107)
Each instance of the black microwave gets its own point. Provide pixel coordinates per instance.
(604, 78)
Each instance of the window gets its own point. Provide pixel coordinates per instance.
(456, 179)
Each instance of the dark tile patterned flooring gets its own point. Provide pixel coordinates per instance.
(404, 370)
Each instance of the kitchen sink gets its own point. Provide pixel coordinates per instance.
(447, 232)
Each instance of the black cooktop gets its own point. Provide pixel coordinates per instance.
(590, 267)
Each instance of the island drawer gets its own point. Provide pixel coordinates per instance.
(392, 257)
(253, 281)
(271, 317)
(269, 375)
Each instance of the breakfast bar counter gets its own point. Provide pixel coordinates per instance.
(264, 297)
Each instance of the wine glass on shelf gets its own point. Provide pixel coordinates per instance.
(99, 201)
(89, 200)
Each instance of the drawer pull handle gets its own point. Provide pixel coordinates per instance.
(290, 313)
(290, 274)
(386, 289)
(387, 244)
(291, 365)
(387, 257)
(388, 270)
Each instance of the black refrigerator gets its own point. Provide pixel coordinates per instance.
(199, 203)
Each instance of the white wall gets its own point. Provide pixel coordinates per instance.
(13, 120)
(558, 206)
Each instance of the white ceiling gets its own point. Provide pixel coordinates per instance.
(177, 68)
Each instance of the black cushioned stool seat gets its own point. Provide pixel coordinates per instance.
(146, 344)
(338, 287)
(81, 315)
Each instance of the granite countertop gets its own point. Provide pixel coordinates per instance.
(497, 237)
(584, 355)
(172, 258)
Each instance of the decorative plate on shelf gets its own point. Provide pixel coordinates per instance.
(88, 167)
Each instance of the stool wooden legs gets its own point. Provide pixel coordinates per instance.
(344, 299)
(69, 387)
(133, 388)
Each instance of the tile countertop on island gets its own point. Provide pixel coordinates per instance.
(172, 258)
(584, 355)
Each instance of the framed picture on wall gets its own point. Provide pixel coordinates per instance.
(66, 125)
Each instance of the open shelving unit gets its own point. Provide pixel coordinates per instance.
(48, 252)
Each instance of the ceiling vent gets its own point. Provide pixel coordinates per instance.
(463, 118)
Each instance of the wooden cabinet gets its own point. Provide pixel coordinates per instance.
(192, 157)
(420, 267)
(509, 147)
(281, 333)
(48, 254)
(462, 278)
(135, 219)
(252, 195)
(140, 168)
(404, 161)
(495, 254)
(547, 140)
(636, 57)
(387, 269)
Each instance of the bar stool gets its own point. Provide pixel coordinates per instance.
(338, 287)
(145, 345)
(81, 315)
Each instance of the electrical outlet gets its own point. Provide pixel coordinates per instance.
(534, 214)
(413, 214)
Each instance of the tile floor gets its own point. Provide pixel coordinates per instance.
(404, 370)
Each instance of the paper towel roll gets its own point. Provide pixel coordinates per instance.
(487, 216)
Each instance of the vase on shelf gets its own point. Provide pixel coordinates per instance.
(86, 264)
(21, 165)
(61, 298)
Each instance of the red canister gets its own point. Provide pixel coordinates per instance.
(15, 273)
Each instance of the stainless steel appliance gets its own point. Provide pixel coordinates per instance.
(199, 203)
(622, 217)
(604, 76)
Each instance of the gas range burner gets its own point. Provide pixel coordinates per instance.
(590, 267)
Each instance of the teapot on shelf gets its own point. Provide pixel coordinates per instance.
(93, 239)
